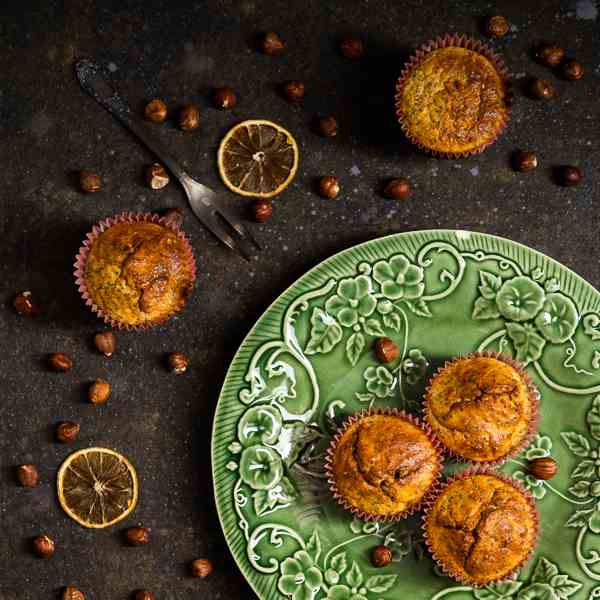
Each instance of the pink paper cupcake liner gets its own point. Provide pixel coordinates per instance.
(126, 217)
(428, 506)
(445, 41)
(329, 457)
(534, 396)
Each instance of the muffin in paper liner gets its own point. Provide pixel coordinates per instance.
(533, 395)
(503, 111)
(330, 473)
(448, 568)
(104, 225)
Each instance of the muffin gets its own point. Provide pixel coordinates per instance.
(481, 528)
(483, 407)
(135, 270)
(381, 465)
(453, 98)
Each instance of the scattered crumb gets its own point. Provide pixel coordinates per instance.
(474, 171)
(112, 67)
(355, 170)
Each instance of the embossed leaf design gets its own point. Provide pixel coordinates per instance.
(520, 298)
(339, 563)
(260, 467)
(354, 347)
(591, 326)
(364, 397)
(593, 418)
(581, 489)
(528, 343)
(576, 443)
(552, 285)
(281, 494)
(490, 284)
(579, 518)
(538, 591)
(539, 448)
(564, 586)
(392, 321)
(585, 468)
(485, 308)
(544, 571)
(259, 425)
(380, 583)
(325, 333)
(373, 327)
(313, 547)
(354, 577)
(558, 318)
(419, 307)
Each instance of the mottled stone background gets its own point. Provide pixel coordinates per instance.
(178, 50)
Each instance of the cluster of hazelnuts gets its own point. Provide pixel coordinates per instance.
(554, 56)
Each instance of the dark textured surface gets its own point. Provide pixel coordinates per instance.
(50, 129)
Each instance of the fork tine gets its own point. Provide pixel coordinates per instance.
(238, 227)
(218, 230)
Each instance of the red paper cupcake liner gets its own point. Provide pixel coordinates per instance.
(339, 498)
(446, 41)
(534, 397)
(81, 258)
(428, 506)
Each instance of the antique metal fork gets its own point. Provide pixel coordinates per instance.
(203, 200)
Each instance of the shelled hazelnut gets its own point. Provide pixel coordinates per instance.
(294, 91)
(224, 97)
(327, 126)
(24, 304)
(550, 55)
(99, 391)
(270, 43)
(59, 361)
(381, 556)
(572, 70)
(352, 48)
(262, 209)
(43, 546)
(156, 111)
(156, 176)
(385, 350)
(201, 568)
(89, 182)
(72, 593)
(137, 536)
(67, 431)
(543, 468)
(178, 363)
(397, 189)
(106, 343)
(189, 117)
(542, 89)
(525, 161)
(496, 26)
(570, 176)
(28, 475)
(329, 187)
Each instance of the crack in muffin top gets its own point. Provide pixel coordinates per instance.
(480, 408)
(384, 465)
(481, 528)
(455, 100)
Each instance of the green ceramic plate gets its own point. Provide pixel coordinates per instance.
(308, 362)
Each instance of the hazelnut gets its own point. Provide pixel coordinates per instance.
(28, 475)
(156, 111)
(381, 556)
(24, 304)
(43, 546)
(385, 350)
(262, 210)
(105, 342)
(352, 48)
(174, 218)
(89, 182)
(67, 431)
(71, 593)
(397, 189)
(99, 391)
(144, 595)
(550, 55)
(542, 89)
(224, 97)
(137, 536)
(270, 43)
(543, 468)
(329, 187)
(189, 117)
(293, 91)
(178, 362)
(201, 568)
(570, 176)
(496, 26)
(156, 176)
(525, 161)
(327, 126)
(572, 70)
(59, 361)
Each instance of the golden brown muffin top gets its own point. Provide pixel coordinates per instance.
(138, 273)
(454, 101)
(481, 528)
(480, 408)
(384, 465)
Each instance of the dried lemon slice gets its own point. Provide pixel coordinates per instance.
(97, 487)
(258, 158)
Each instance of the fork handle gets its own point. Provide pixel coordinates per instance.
(95, 84)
